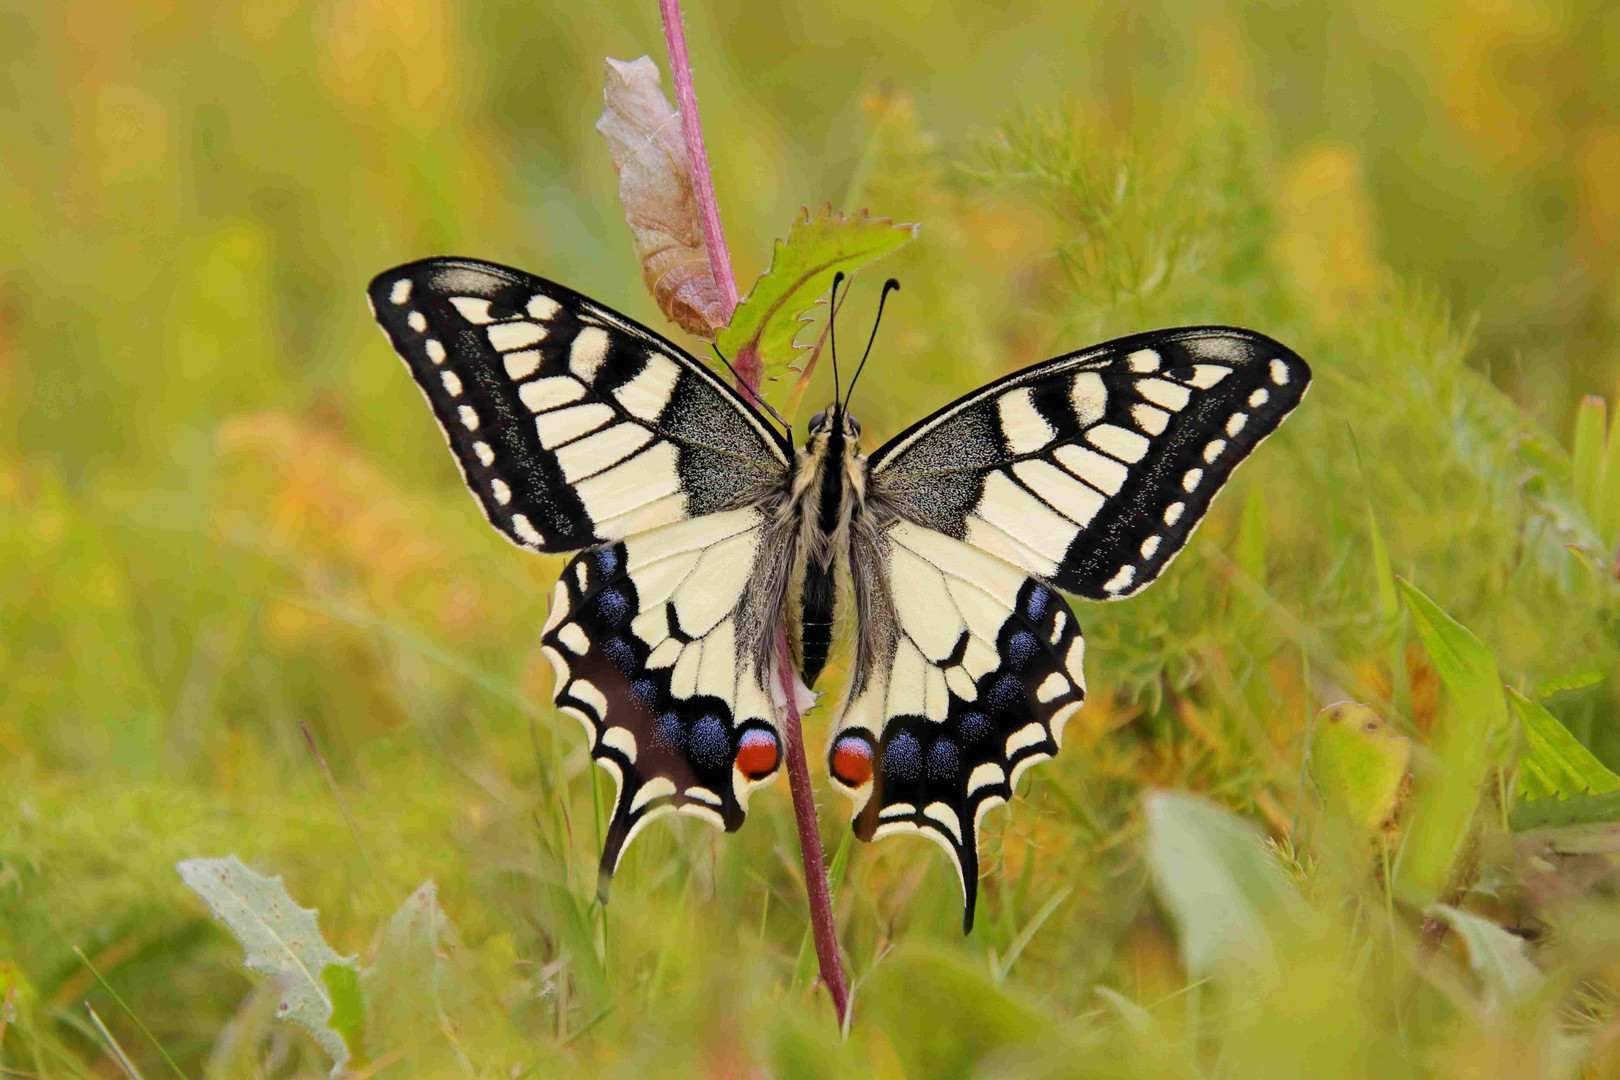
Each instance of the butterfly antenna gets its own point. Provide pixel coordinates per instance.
(832, 336)
(888, 287)
(756, 398)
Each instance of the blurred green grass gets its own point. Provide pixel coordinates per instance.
(227, 514)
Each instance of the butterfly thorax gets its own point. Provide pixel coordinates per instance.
(828, 494)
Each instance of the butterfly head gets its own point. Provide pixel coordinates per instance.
(832, 419)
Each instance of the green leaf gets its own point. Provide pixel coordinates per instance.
(348, 1010)
(1496, 956)
(1228, 898)
(1465, 744)
(943, 1016)
(761, 336)
(414, 990)
(1588, 453)
(1358, 763)
(282, 940)
(1577, 810)
(1554, 764)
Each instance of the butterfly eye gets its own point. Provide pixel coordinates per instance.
(818, 420)
(854, 425)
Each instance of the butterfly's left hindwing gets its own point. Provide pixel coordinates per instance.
(656, 642)
(974, 669)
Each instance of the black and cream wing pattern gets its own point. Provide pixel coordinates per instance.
(577, 429)
(1087, 474)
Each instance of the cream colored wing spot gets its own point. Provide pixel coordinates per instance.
(506, 336)
(401, 292)
(474, 309)
(1022, 425)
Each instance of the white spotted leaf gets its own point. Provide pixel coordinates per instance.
(282, 940)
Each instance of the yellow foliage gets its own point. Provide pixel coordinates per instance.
(1326, 242)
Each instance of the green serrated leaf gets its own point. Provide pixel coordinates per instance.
(1358, 763)
(762, 332)
(1577, 810)
(1465, 745)
(1554, 764)
(1495, 955)
(282, 940)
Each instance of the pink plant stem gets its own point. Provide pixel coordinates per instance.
(714, 235)
(804, 803)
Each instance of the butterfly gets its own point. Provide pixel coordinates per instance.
(700, 526)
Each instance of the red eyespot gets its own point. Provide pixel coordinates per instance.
(756, 753)
(852, 760)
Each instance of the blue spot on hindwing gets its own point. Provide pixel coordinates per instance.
(623, 656)
(1005, 693)
(607, 561)
(646, 692)
(1035, 606)
(668, 733)
(613, 606)
(1021, 649)
(902, 758)
(973, 727)
(711, 745)
(943, 760)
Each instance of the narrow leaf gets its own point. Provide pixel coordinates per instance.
(761, 337)
(1359, 764)
(1588, 453)
(1607, 516)
(1383, 576)
(282, 940)
(1554, 763)
(1464, 746)
(644, 136)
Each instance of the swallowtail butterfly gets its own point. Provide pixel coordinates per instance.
(699, 526)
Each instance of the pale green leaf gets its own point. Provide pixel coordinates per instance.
(1554, 764)
(1464, 748)
(1358, 763)
(414, 989)
(761, 336)
(1495, 955)
(282, 940)
(1228, 898)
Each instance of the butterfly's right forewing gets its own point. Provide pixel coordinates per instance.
(572, 424)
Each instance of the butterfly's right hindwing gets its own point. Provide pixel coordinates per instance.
(661, 647)
(572, 424)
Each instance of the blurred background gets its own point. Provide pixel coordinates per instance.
(230, 531)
